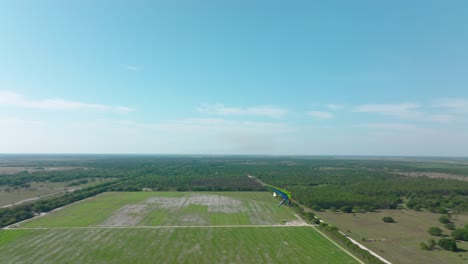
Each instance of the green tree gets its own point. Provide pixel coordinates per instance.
(316, 208)
(444, 219)
(450, 226)
(346, 209)
(448, 244)
(460, 234)
(435, 231)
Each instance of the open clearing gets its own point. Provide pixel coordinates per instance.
(10, 195)
(398, 242)
(170, 227)
(435, 175)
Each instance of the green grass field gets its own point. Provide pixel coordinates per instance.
(172, 227)
(168, 209)
(170, 245)
(399, 242)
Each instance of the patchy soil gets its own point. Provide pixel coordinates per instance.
(215, 203)
(297, 222)
(435, 175)
(129, 215)
(167, 202)
(179, 209)
(193, 219)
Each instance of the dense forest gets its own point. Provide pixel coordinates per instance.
(317, 182)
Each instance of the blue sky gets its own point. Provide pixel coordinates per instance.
(234, 77)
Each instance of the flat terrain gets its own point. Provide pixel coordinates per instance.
(170, 227)
(15, 170)
(169, 209)
(398, 242)
(10, 195)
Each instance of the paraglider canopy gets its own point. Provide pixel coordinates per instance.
(283, 193)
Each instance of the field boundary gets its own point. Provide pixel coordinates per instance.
(153, 227)
(336, 244)
(43, 214)
(365, 248)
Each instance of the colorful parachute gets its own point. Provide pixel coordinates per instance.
(283, 193)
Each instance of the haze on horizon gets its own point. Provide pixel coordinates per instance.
(234, 77)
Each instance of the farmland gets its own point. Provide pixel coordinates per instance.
(169, 227)
(168, 208)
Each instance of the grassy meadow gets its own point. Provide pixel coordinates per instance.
(399, 242)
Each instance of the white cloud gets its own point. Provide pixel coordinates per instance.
(403, 110)
(441, 118)
(8, 98)
(221, 110)
(391, 126)
(458, 105)
(10, 122)
(334, 107)
(132, 68)
(320, 114)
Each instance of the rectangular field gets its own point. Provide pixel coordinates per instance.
(169, 209)
(170, 245)
(171, 227)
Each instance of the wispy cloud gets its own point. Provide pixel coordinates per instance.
(8, 98)
(441, 118)
(458, 105)
(9, 122)
(320, 114)
(386, 126)
(334, 107)
(221, 110)
(132, 68)
(403, 110)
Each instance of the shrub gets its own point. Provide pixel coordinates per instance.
(450, 226)
(435, 231)
(424, 246)
(346, 209)
(460, 234)
(448, 244)
(444, 219)
(388, 219)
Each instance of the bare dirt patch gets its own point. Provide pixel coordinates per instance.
(167, 202)
(193, 219)
(297, 222)
(215, 203)
(129, 215)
